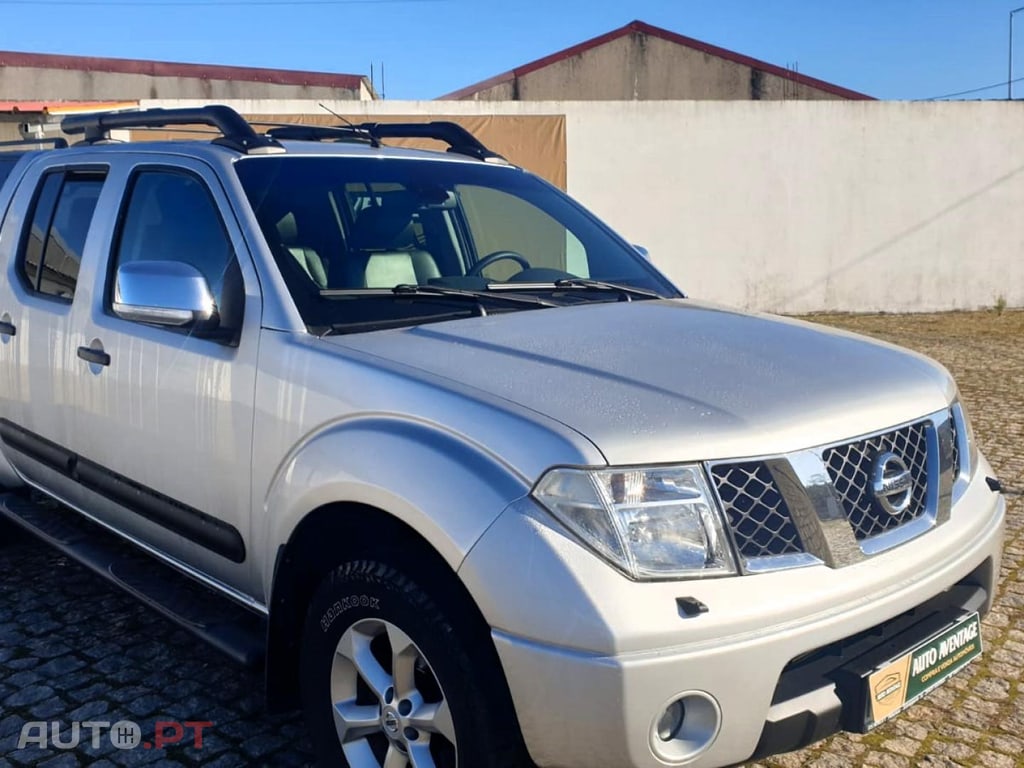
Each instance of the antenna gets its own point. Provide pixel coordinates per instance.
(368, 131)
(343, 119)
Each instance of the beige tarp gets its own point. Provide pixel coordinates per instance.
(535, 142)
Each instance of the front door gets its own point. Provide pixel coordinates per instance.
(163, 416)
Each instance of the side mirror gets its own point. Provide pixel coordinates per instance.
(642, 251)
(164, 293)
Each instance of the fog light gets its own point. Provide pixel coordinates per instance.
(671, 721)
(686, 727)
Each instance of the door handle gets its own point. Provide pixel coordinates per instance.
(97, 356)
(7, 329)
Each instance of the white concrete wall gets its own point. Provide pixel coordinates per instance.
(798, 206)
(807, 206)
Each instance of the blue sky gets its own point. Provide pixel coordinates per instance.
(893, 49)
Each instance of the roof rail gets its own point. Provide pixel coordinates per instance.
(458, 139)
(57, 142)
(237, 133)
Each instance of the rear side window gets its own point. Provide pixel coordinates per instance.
(52, 246)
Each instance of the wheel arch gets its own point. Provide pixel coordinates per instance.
(326, 537)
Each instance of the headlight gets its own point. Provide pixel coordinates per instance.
(651, 523)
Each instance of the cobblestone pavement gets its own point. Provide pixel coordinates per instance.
(74, 648)
(977, 718)
(71, 648)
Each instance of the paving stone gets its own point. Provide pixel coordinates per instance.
(886, 760)
(262, 744)
(61, 665)
(902, 745)
(1002, 743)
(996, 760)
(993, 690)
(938, 761)
(91, 711)
(48, 709)
(30, 694)
(67, 760)
(832, 761)
(29, 756)
(231, 760)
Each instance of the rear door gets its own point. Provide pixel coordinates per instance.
(45, 235)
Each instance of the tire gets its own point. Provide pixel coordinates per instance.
(390, 669)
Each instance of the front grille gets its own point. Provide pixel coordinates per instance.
(757, 513)
(850, 468)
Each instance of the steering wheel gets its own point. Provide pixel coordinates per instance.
(477, 269)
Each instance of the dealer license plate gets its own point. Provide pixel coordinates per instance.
(898, 684)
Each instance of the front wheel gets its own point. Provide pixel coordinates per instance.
(393, 677)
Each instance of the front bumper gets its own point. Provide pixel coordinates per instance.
(592, 659)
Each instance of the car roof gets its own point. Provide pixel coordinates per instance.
(202, 149)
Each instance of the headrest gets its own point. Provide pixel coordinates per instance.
(288, 230)
(383, 228)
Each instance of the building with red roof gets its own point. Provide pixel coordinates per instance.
(40, 87)
(50, 77)
(641, 61)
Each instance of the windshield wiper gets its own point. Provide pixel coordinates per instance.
(440, 292)
(443, 290)
(385, 324)
(627, 291)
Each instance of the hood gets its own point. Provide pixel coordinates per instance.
(676, 380)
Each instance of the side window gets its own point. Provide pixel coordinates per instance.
(52, 246)
(171, 216)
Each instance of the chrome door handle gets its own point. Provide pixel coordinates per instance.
(7, 329)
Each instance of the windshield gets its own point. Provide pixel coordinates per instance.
(346, 230)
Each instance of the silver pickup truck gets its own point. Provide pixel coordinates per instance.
(475, 483)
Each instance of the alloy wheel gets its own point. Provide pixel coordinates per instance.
(388, 707)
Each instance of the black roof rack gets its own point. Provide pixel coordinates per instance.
(58, 142)
(240, 135)
(237, 133)
(458, 139)
(290, 132)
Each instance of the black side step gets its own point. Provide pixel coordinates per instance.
(224, 624)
